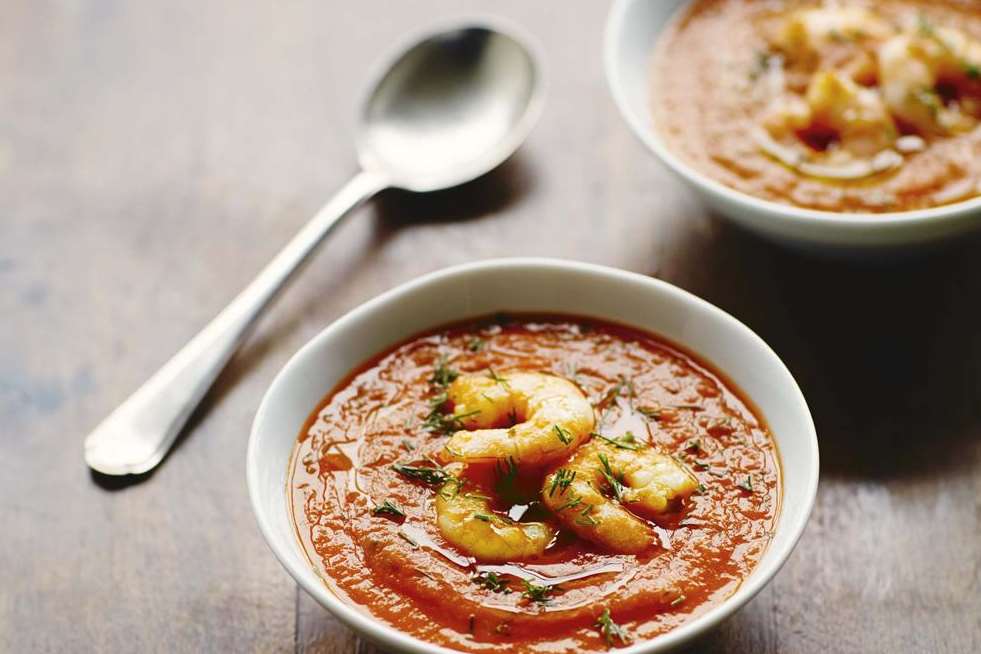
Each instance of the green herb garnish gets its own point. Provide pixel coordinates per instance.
(506, 484)
(498, 379)
(746, 485)
(924, 26)
(536, 593)
(761, 63)
(439, 421)
(388, 508)
(443, 375)
(492, 582)
(562, 434)
(476, 344)
(507, 471)
(623, 388)
(561, 480)
(611, 630)
(626, 442)
(585, 519)
(615, 484)
(451, 488)
(483, 517)
(434, 476)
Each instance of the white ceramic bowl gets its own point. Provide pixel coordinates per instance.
(632, 30)
(531, 285)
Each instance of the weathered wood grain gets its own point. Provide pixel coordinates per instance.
(154, 155)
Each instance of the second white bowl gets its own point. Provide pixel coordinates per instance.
(632, 30)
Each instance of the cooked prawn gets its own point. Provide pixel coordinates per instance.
(853, 122)
(930, 79)
(532, 418)
(810, 30)
(466, 520)
(838, 38)
(640, 480)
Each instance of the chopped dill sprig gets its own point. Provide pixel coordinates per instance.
(615, 484)
(446, 423)
(434, 476)
(451, 488)
(407, 445)
(483, 517)
(626, 442)
(536, 593)
(584, 519)
(498, 379)
(443, 375)
(924, 26)
(561, 480)
(570, 504)
(562, 434)
(623, 388)
(440, 421)
(492, 582)
(746, 485)
(388, 508)
(507, 477)
(761, 64)
(476, 344)
(611, 630)
(507, 470)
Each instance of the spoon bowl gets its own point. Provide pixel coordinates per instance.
(452, 106)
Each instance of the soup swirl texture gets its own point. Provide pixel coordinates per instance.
(670, 448)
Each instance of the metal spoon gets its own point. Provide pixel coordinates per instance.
(447, 109)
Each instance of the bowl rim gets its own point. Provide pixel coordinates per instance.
(361, 621)
(786, 213)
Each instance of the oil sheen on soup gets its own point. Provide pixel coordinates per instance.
(549, 483)
(853, 106)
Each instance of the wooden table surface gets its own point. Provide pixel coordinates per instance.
(153, 155)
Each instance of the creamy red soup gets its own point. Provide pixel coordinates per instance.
(851, 106)
(370, 474)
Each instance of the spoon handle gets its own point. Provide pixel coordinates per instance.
(136, 436)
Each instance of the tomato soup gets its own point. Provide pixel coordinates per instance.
(366, 516)
(854, 106)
